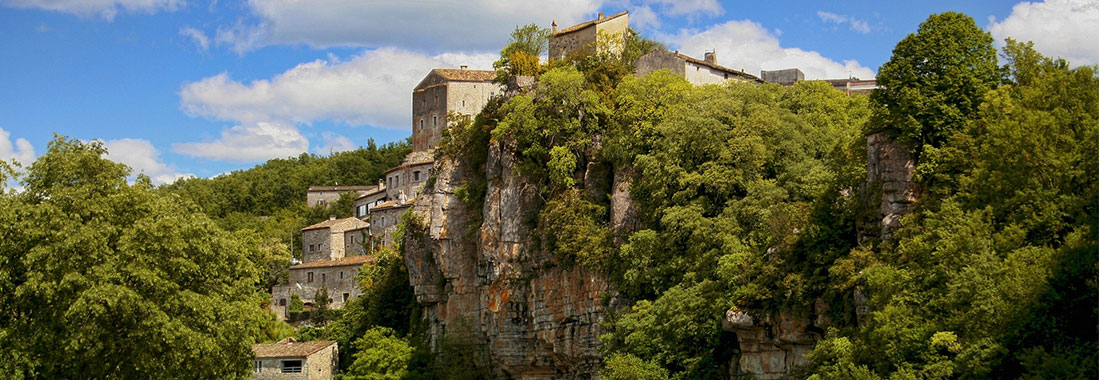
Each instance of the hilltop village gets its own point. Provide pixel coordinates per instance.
(334, 250)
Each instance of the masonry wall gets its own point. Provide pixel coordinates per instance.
(701, 75)
(320, 242)
(364, 204)
(355, 242)
(429, 114)
(322, 364)
(407, 180)
(339, 280)
(314, 198)
(272, 369)
(656, 60)
(319, 366)
(384, 222)
(583, 40)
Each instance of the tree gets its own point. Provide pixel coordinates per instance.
(935, 80)
(381, 355)
(319, 315)
(521, 55)
(104, 279)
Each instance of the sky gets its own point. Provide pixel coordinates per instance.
(177, 88)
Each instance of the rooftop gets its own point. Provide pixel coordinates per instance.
(341, 262)
(715, 66)
(338, 225)
(341, 188)
(586, 24)
(289, 348)
(466, 75)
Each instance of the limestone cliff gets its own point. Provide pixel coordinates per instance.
(492, 288)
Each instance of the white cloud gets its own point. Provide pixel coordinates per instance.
(1059, 28)
(248, 143)
(853, 23)
(748, 46)
(374, 88)
(107, 9)
(197, 36)
(334, 143)
(21, 151)
(142, 157)
(430, 25)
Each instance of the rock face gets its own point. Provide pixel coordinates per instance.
(890, 168)
(493, 288)
(773, 345)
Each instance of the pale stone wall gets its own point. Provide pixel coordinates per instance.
(338, 280)
(321, 365)
(581, 41)
(429, 113)
(384, 221)
(702, 75)
(656, 60)
(355, 241)
(407, 180)
(316, 244)
(314, 198)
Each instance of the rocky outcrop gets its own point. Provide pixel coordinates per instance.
(890, 168)
(773, 345)
(492, 287)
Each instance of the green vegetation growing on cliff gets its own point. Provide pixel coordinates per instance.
(754, 197)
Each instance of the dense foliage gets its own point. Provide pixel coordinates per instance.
(108, 280)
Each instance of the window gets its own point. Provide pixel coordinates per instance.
(463, 103)
(292, 366)
(322, 278)
(383, 221)
(282, 302)
(435, 121)
(311, 247)
(341, 275)
(257, 367)
(421, 124)
(362, 210)
(345, 297)
(416, 176)
(309, 277)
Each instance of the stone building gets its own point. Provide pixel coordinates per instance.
(698, 72)
(584, 38)
(292, 360)
(461, 91)
(405, 180)
(853, 85)
(385, 217)
(322, 195)
(331, 239)
(365, 202)
(784, 77)
(332, 253)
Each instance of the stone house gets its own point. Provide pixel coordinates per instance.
(292, 360)
(365, 202)
(698, 72)
(461, 91)
(385, 217)
(405, 180)
(322, 195)
(849, 86)
(333, 238)
(584, 38)
(332, 253)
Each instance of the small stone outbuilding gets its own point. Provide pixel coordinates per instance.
(292, 360)
(697, 71)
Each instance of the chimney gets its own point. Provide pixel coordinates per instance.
(463, 67)
(554, 26)
(709, 57)
(599, 16)
(332, 217)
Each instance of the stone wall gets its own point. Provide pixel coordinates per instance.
(493, 287)
(316, 244)
(656, 60)
(383, 221)
(338, 280)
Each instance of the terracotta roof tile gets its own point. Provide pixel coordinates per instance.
(586, 24)
(288, 348)
(343, 261)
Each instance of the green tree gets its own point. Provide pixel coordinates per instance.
(319, 314)
(380, 355)
(935, 80)
(103, 279)
(629, 367)
(521, 55)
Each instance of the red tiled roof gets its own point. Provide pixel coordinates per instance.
(289, 348)
(586, 24)
(343, 261)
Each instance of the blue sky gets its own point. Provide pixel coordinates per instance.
(177, 87)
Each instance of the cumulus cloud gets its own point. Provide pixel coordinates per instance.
(855, 24)
(107, 9)
(748, 46)
(142, 157)
(248, 143)
(374, 88)
(197, 36)
(333, 143)
(1059, 28)
(430, 25)
(21, 151)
